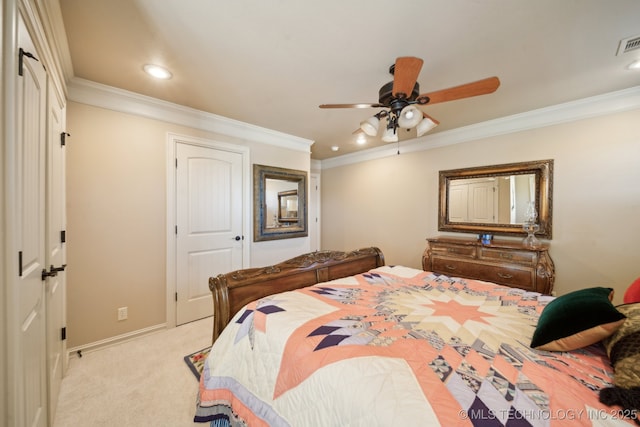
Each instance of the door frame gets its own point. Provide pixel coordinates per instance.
(171, 270)
(315, 212)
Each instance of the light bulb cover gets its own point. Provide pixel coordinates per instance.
(635, 65)
(390, 135)
(426, 124)
(409, 117)
(370, 126)
(157, 71)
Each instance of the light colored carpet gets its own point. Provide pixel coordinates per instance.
(144, 381)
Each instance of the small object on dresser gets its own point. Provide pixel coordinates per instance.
(486, 239)
(531, 227)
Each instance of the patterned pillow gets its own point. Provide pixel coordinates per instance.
(623, 348)
(576, 320)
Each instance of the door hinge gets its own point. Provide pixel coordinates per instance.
(176, 296)
(176, 163)
(20, 264)
(63, 333)
(63, 236)
(63, 138)
(176, 230)
(22, 54)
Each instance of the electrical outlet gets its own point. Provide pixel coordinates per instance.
(122, 313)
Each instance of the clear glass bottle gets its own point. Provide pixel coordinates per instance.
(530, 226)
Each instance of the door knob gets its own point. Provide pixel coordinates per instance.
(61, 268)
(238, 238)
(53, 271)
(46, 274)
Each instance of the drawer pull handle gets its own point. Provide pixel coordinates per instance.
(450, 267)
(505, 276)
(506, 255)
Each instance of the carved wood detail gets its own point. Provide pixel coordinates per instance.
(231, 291)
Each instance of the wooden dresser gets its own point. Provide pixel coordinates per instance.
(505, 262)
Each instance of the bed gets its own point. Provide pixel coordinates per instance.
(340, 339)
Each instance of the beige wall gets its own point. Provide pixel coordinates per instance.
(116, 195)
(116, 219)
(392, 203)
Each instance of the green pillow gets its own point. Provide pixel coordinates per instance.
(576, 320)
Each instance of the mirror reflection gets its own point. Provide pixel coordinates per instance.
(280, 197)
(288, 207)
(279, 203)
(492, 199)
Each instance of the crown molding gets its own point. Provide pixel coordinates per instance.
(103, 96)
(609, 103)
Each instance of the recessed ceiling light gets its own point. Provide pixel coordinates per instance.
(334, 148)
(157, 71)
(635, 65)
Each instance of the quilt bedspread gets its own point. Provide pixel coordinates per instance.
(398, 346)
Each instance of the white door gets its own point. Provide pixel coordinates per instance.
(458, 202)
(482, 202)
(31, 134)
(55, 289)
(209, 224)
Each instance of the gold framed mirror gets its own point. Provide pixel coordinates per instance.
(279, 203)
(494, 199)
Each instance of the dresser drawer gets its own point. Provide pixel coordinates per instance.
(522, 277)
(444, 249)
(454, 268)
(509, 256)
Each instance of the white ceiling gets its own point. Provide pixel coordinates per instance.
(272, 62)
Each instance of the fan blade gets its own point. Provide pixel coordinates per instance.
(405, 74)
(481, 87)
(351, 106)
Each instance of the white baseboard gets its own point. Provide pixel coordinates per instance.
(97, 345)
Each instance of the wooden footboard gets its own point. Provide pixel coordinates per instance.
(231, 291)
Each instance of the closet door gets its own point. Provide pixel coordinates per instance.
(55, 289)
(31, 92)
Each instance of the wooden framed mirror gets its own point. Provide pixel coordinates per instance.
(494, 199)
(279, 203)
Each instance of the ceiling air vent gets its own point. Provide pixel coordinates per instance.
(628, 44)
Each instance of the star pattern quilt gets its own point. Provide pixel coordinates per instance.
(398, 346)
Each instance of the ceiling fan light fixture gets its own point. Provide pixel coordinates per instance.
(370, 126)
(426, 124)
(390, 135)
(409, 117)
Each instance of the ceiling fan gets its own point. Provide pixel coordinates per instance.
(400, 98)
